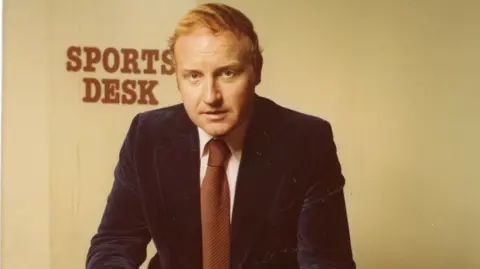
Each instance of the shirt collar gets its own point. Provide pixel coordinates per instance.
(234, 140)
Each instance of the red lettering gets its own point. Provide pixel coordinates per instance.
(126, 60)
(150, 56)
(111, 88)
(89, 84)
(116, 60)
(130, 58)
(93, 57)
(73, 54)
(115, 91)
(128, 87)
(146, 89)
(168, 61)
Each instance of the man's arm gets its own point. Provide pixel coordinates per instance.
(122, 236)
(323, 232)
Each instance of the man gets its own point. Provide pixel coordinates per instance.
(228, 179)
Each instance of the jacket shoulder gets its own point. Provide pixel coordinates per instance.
(294, 120)
(160, 117)
(149, 126)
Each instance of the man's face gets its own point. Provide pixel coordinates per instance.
(215, 79)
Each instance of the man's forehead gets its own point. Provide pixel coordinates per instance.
(204, 39)
(203, 43)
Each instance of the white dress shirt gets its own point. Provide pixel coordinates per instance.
(234, 141)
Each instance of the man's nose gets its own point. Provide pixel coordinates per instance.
(212, 94)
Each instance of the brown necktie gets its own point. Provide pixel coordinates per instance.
(215, 208)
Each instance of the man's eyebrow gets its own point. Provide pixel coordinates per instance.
(188, 69)
(230, 64)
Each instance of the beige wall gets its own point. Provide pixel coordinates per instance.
(397, 79)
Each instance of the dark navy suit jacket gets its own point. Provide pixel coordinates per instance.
(289, 209)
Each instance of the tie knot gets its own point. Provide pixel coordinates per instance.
(218, 152)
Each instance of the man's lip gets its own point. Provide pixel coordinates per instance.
(215, 112)
(215, 116)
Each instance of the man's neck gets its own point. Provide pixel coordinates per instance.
(234, 139)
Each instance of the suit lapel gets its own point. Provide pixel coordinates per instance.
(178, 166)
(177, 160)
(258, 178)
(178, 171)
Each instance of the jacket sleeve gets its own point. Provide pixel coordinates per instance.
(323, 232)
(122, 236)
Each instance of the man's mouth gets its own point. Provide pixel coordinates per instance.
(215, 112)
(216, 115)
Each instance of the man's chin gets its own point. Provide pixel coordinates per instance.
(217, 133)
(217, 129)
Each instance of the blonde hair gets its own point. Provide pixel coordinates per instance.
(219, 18)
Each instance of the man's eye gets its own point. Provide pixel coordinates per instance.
(228, 73)
(192, 76)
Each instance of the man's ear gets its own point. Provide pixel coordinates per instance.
(174, 65)
(172, 57)
(176, 80)
(258, 66)
(258, 79)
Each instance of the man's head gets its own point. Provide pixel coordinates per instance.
(218, 63)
